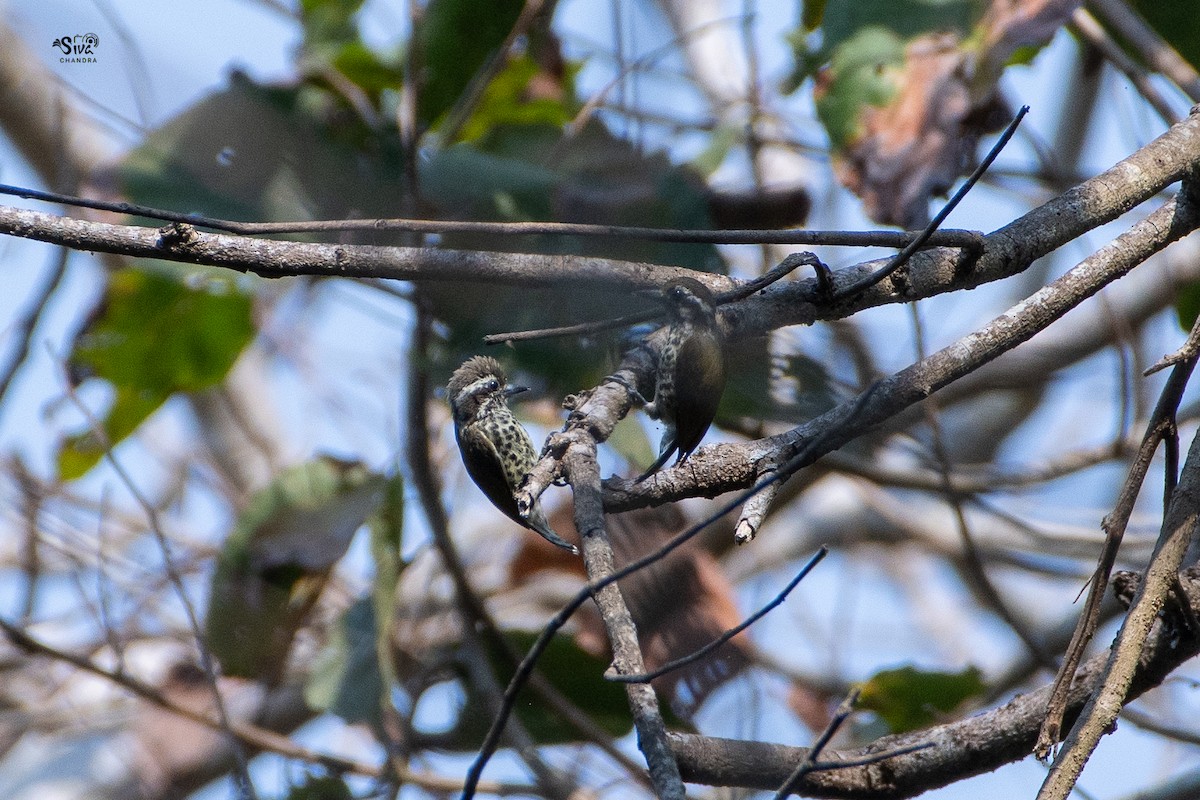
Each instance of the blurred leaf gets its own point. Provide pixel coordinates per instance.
(367, 69)
(630, 441)
(812, 12)
(328, 23)
(845, 19)
(387, 539)
(579, 676)
(533, 172)
(457, 37)
(573, 671)
(153, 337)
(483, 185)
(723, 139)
(1178, 23)
(841, 21)
(345, 679)
(196, 335)
(280, 153)
(908, 699)
(508, 101)
(858, 76)
(1187, 305)
(321, 787)
(274, 565)
(788, 388)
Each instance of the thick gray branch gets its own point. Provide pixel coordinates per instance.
(1007, 251)
(584, 474)
(1178, 531)
(715, 470)
(271, 258)
(957, 750)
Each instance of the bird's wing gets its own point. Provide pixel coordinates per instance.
(486, 469)
(699, 383)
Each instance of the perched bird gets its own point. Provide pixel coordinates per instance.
(691, 371)
(495, 448)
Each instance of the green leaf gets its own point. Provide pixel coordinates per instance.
(906, 19)
(812, 13)
(858, 77)
(1176, 22)
(630, 441)
(1187, 305)
(345, 679)
(279, 153)
(505, 101)
(575, 673)
(329, 23)
(457, 37)
(841, 21)
(274, 565)
(367, 69)
(321, 787)
(387, 538)
(153, 337)
(908, 698)
(783, 388)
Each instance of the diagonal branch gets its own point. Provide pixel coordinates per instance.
(1007, 251)
(949, 753)
(1178, 530)
(718, 469)
(1162, 426)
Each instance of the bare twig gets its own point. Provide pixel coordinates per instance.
(25, 325)
(844, 710)
(974, 482)
(1151, 47)
(207, 665)
(584, 476)
(1162, 426)
(691, 658)
(1178, 530)
(902, 258)
(970, 240)
(1089, 30)
(753, 513)
(249, 733)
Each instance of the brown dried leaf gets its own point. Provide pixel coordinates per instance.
(917, 145)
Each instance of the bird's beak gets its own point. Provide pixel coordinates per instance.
(511, 390)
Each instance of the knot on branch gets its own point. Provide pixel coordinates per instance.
(177, 235)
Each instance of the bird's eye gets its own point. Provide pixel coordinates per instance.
(493, 385)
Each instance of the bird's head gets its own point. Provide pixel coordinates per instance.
(690, 300)
(478, 386)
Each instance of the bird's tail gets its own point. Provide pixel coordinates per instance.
(668, 450)
(537, 521)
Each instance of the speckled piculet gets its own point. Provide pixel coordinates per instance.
(691, 371)
(495, 448)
